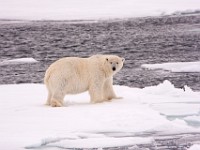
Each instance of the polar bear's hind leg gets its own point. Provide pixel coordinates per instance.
(57, 99)
(49, 98)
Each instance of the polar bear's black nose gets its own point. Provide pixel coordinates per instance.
(113, 68)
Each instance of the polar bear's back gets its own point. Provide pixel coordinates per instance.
(67, 66)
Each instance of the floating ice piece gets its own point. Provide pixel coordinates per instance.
(176, 66)
(18, 61)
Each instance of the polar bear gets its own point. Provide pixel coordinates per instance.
(73, 75)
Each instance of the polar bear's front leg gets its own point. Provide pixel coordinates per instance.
(108, 90)
(96, 92)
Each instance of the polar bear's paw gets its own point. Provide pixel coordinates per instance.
(56, 103)
(113, 98)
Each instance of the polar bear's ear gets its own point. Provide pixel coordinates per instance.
(123, 59)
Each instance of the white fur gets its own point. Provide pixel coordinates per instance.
(73, 75)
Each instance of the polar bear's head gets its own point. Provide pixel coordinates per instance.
(114, 63)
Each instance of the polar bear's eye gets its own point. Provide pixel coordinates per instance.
(117, 62)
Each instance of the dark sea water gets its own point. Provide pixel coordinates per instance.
(140, 41)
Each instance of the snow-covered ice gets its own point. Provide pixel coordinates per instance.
(193, 120)
(176, 66)
(195, 147)
(91, 9)
(18, 61)
(171, 101)
(27, 123)
(94, 142)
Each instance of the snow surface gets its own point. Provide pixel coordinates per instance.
(18, 61)
(27, 123)
(195, 147)
(176, 66)
(91, 9)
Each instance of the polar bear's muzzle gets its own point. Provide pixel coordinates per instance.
(113, 68)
